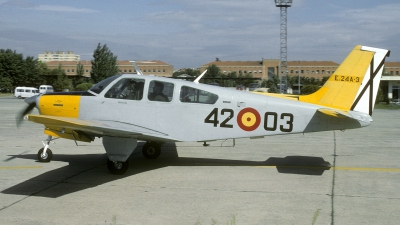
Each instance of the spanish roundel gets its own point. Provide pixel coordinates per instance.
(248, 119)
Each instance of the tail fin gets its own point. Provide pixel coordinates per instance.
(354, 85)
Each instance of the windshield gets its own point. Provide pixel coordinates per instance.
(97, 88)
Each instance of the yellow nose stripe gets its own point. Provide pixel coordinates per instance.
(59, 105)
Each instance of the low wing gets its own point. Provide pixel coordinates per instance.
(77, 129)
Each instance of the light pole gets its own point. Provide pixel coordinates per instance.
(283, 5)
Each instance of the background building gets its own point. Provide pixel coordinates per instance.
(58, 56)
(392, 68)
(315, 69)
(390, 82)
(266, 68)
(148, 67)
(153, 67)
(259, 69)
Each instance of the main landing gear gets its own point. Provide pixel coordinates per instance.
(117, 168)
(151, 150)
(45, 154)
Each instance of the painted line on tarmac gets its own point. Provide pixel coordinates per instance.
(19, 167)
(340, 168)
(393, 170)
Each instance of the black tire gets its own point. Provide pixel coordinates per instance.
(117, 168)
(46, 158)
(151, 150)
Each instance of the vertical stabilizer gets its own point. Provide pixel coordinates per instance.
(354, 85)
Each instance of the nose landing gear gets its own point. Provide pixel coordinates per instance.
(45, 154)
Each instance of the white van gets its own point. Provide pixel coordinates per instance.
(25, 92)
(45, 88)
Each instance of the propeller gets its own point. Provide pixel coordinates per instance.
(31, 104)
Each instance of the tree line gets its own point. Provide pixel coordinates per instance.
(214, 75)
(232, 79)
(15, 70)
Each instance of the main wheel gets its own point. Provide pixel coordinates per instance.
(151, 150)
(117, 168)
(46, 157)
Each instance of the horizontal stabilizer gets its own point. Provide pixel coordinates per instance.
(358, 116)
(335, 113)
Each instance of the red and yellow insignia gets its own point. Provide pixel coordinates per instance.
(248, 119)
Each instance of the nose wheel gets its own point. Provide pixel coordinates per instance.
(45, 154)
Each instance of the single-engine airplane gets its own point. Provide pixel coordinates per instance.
(123, 109)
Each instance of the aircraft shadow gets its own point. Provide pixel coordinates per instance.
(90, 170)
(305, 165)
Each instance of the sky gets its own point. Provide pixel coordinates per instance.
(188, 34)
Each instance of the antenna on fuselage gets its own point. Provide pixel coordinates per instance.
(138, 71)
(199, 77)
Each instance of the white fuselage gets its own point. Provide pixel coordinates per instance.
(236, 114)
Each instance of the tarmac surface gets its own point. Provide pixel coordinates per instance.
(350, 177)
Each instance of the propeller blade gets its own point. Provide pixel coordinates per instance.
(31, 104)
(32, 99)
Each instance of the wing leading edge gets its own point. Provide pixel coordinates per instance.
(65, 127)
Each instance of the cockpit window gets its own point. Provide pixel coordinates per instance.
(160, 91)
(97, 88)
(194, 95)
(128, 88)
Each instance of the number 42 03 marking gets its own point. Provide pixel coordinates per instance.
(270, 120)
